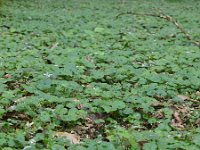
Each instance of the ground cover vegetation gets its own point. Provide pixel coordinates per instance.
(88, 75)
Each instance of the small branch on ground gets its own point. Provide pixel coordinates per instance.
(168, 18)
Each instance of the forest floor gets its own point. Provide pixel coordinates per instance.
(87, 75)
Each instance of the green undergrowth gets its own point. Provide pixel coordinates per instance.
(71, 66)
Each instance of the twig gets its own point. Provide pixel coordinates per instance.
(168, 18)
(54, 46)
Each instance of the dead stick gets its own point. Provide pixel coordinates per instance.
(170, 19)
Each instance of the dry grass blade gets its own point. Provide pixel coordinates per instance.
(54, 46)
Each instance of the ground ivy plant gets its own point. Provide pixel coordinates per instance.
(73, 75)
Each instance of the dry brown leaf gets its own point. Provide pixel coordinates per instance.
(198, 122)
(22, 116)
(174, 124)
(79, 106)
(159, 115)
(183, 97)
(157, 104)
(177, 117)
(6, 76)
(17, 86)
(75, 99)
(184, 110)
(177, 122)
(88, 86)
(74, 139)
(198, 93)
